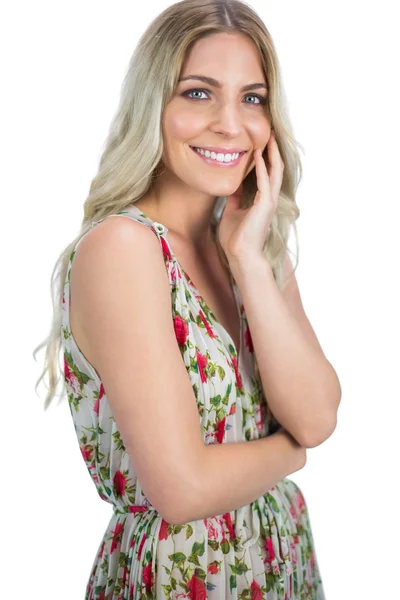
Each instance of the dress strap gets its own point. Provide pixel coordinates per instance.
(135, 214)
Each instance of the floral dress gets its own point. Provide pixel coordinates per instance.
(263, 550)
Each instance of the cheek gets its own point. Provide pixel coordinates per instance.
(259, 131)
(181, 126)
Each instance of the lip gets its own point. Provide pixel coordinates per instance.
(215, 163)
(219, 149)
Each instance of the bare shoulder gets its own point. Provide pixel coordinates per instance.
(121, 296)
(113, 235)
(114, 245)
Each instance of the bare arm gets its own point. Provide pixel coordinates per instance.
(122, 320)
(300, 384)
(235, 474)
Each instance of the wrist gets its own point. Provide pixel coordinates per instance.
(249, 266)
(299, 452)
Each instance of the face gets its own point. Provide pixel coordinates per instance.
(227, 118)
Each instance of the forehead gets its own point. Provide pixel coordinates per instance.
(225, 57)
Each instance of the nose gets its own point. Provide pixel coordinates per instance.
(227, 120)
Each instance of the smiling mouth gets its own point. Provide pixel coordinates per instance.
(217, 163)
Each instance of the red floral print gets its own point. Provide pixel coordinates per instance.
(261, 551)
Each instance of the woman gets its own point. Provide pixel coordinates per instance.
(151, 351)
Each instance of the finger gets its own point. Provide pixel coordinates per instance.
(263, 182)
(276, 169)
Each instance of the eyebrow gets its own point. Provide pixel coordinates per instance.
(218, 84)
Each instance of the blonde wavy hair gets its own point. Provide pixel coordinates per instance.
(134, 146)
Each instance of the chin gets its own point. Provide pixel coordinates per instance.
(224, 188)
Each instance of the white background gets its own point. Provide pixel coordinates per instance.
(62, 68)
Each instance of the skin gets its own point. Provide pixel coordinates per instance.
(184, 194)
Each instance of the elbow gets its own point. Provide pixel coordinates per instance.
(188, 491)
(173, 519)
(177, 510)
(180, 514)
(322, 426)
(177, 520)
(183, 506)
(318, 434)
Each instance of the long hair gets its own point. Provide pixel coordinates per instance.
(134, 146)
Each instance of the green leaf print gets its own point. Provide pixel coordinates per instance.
(194, 365)
(221, 372)
(270, 578)
(224, 391)
(221, 413)
(177, 529)
(216, 400)
(225, 546)
(123, 559)
(200, 574)
(83, 378)
(177, 557)
(198, 548)
(271, 500)
(167, 590)
(239, 567)
(210, 369)
(213, 544)
(189, 531)
(74, 401)
(104, 473)
(193, 558)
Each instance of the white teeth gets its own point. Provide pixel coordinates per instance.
(220, 157)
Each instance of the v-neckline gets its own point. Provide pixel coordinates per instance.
(199, 298)
(201, 301)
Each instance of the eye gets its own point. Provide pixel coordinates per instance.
(261, 99)
(191, 91)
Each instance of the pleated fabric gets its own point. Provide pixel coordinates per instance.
(263, 550)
